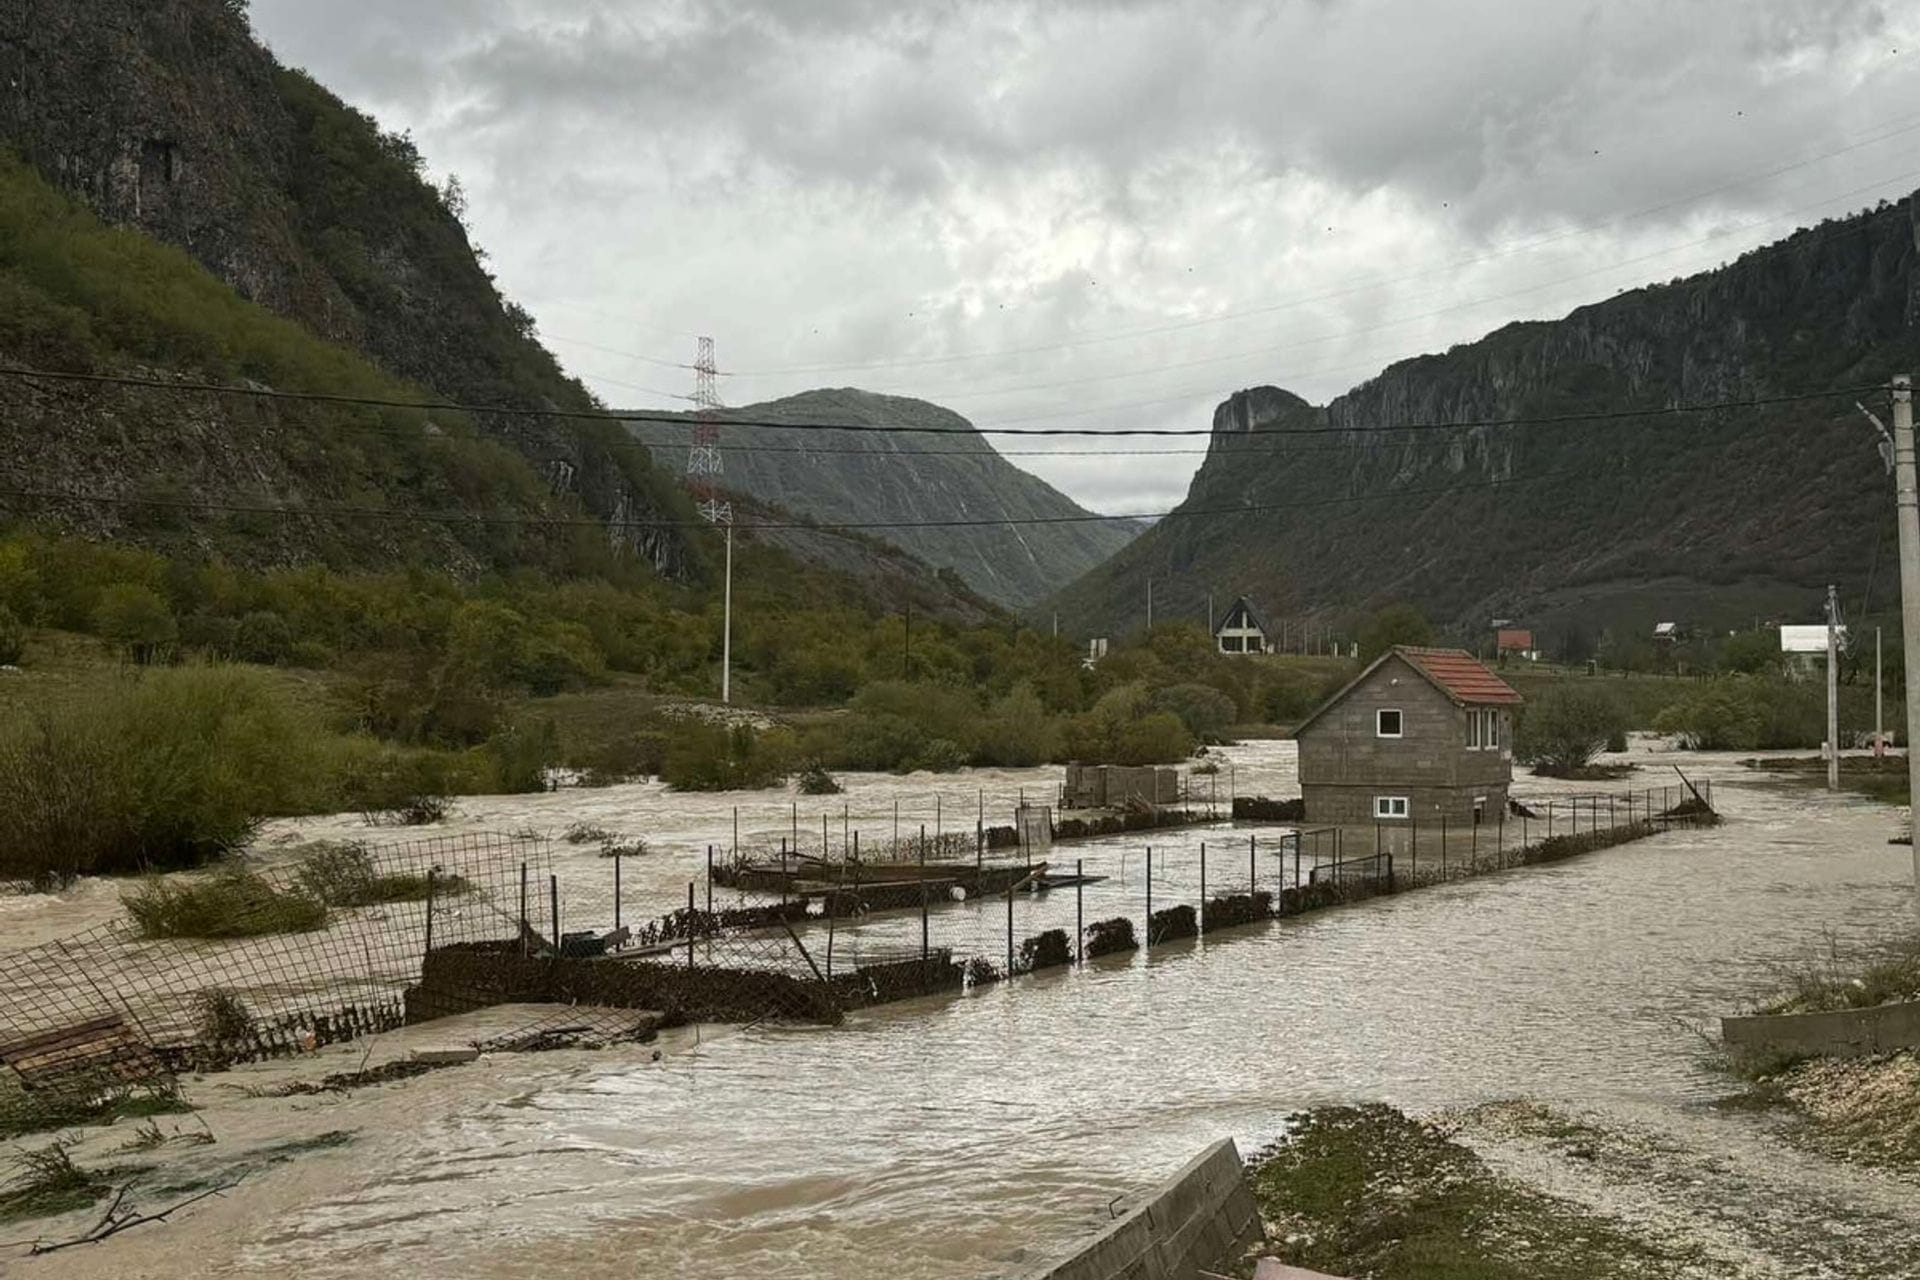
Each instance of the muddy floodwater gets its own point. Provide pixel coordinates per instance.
(942, 1137)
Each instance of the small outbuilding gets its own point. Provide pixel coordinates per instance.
(1420, 735)
(1242, 630)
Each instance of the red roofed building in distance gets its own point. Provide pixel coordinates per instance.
(1515, 642)
(1420, 735)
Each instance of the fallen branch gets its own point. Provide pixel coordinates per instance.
(111, 1226)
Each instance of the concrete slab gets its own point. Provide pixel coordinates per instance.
(1274, 1269)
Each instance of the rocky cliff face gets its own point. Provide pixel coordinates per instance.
(166, 116)
(1323, 513)
(830, 475)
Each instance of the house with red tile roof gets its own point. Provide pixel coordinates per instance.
(1420, 735)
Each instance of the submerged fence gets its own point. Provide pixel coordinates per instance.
(447, 926)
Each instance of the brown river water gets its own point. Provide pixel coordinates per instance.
(943, 1137)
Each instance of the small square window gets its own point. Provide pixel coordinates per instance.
(1387, 723)
(1389, 806)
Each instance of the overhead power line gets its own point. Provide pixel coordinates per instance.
(851, 526)
(775, 424)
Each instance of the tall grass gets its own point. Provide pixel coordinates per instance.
(160, 770)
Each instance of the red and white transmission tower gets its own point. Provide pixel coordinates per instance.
(703, 475)
(703, 455)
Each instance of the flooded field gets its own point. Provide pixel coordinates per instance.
(938, 1137)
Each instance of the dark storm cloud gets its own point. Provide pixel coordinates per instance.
(850, 191)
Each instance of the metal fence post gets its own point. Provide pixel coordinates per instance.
(923, 906)
(1203, 886)
(523, 910)
(1079, 911)
(1150, 895)
(692, 925)
(616, 890)
(1413, 826)
(1009, 926)
(710, 872)
(553, 908)
(1549, 819)
(1253, 879)
(429, 947)
(1500, 840)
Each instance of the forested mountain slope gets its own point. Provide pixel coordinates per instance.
(856, 475)
(168, 118)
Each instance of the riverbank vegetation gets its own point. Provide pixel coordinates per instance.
(1369, 1191)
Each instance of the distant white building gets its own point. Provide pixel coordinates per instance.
(1242, 630)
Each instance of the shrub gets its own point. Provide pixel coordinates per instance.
(221, 1017)
(1104, 937)
(1725, 715)
(706, 757)
(1395, 624)
(13, 638)
(1203, 710)
(1175, 922)
(1045, 951)
(232, 903)
(387, 784)
(262, 637)
(166, 770)
(1565, 727)
(136, 619)
(344, 875)
(1120, 729)
(47, 1182)
(586, 833)
(816, 781)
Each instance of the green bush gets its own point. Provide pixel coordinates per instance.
(1747, 713)
(344, 875)
(1120, 729)
(709, 757)
(165, 770)
(1205, 711)
(263, 636)
(1395, 624)
(231, 903)
(1563, 729)
(136, 619)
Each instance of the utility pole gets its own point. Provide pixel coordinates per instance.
(1209, 613)
(1906, 497)
(906, 644)
(1833, 688)
(726, 628)
(1149, 606)
(1879, 723)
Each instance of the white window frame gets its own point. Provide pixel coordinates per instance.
(1391, 808)
(1379, 723)
(1492, 735)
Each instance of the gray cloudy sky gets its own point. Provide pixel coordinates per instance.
(1108, 212)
